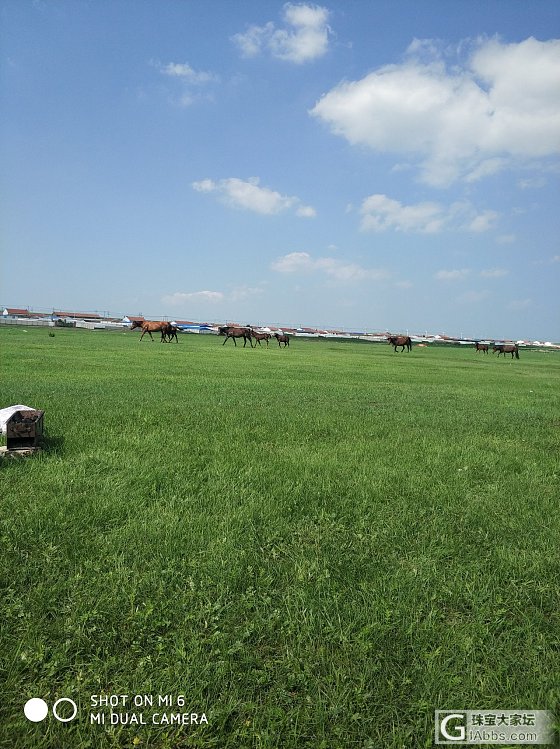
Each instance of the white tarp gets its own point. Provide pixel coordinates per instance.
(5, 414)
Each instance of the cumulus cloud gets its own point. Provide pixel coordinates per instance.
(483, 221)
(494, 273)
(237, 294)
(303, 262)
(457, 121)
(249, 195)
(184, 72)
(180, 298)
(190, 81)
(452, 275)
(380, 213)
(304, 36)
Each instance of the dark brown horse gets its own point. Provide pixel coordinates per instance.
(170, 333)
(478, 346)
(400, 340)
(260, 337)
(504, 349)
(233, 332)
(282, 338)
(150, 327)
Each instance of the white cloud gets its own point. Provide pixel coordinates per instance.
(190, 298)
(520, 304)
(303, 262)
(240, 293)
(532, 183)
(494, 273)
(190, 81)
(483, 221)
(381, 213)
(506, 239)
(304, 37)
(250, 196)
(452, 275)
(306, 211)
(486, 168)
(180, 298)
(458, 122)
(184, 72)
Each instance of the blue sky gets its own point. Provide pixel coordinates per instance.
(366, 165)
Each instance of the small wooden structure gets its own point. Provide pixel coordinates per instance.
(24, 430)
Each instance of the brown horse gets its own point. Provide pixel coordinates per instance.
(170, 333)
(478, 346)
(233, 332)
(150, 327)
(506, 349)
(400, 340)
(260, 337)
(282, 338)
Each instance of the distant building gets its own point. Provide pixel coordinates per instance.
(15, 312)
(88, 316)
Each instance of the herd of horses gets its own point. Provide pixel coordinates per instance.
(248, 334)
(169, 332)
(501, 348)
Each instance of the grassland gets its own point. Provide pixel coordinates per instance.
(317, 546)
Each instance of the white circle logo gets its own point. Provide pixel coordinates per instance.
(57, 716)
(36, 709)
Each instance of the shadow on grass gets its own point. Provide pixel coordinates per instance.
(53, 444)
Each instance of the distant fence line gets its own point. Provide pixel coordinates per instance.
(35, 323)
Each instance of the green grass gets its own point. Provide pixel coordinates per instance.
(318, 546)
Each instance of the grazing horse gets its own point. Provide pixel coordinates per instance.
(282, 338)
(400, 340)
(233, 332)
(478, 346)
(150, 327)
(260, 337)
(507, 349)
